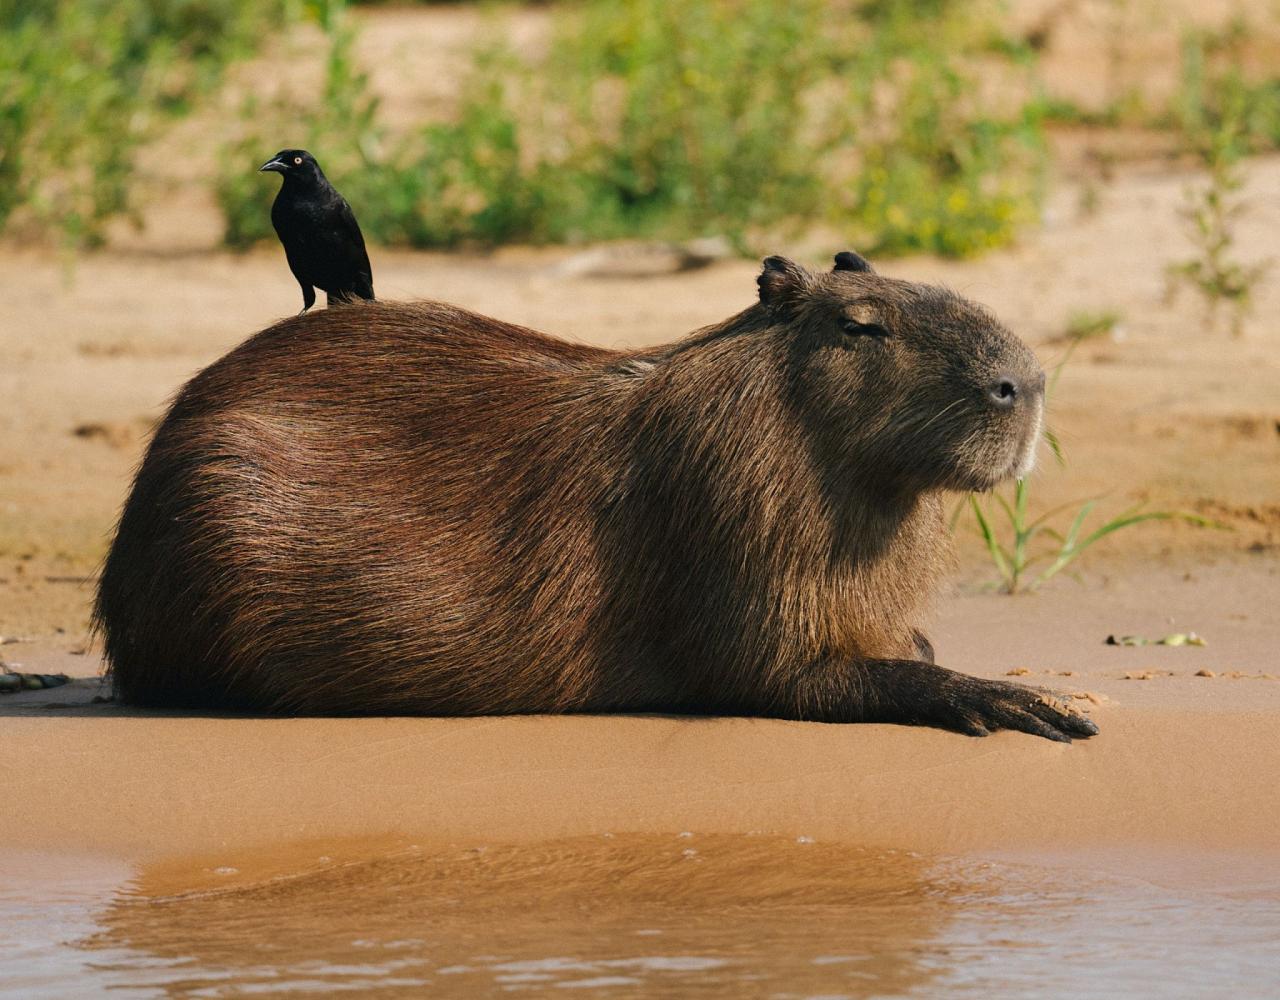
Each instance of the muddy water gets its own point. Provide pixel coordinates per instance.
(629, 916)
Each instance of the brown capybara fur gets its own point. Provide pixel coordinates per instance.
(394, 508)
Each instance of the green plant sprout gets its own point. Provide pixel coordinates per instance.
(1218, 116)
(1015, 559)
(1087, 324)
(1220, 280)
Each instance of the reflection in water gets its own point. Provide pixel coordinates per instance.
(635, 915)
(645, 916)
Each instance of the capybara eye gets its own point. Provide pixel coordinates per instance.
(855, 329)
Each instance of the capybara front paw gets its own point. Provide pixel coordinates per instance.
(981, 707)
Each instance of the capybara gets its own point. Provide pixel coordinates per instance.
(413, 509)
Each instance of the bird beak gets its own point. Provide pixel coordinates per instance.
(274, 166)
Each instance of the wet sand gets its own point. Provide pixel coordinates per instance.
(1183, 761)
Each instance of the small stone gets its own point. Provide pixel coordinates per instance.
(10, 683)
(1017, 672)
(32, 682)
(1205, 673)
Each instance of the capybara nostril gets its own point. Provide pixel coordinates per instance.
(1004, 392)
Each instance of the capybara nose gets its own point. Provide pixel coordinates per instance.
(1004, 392)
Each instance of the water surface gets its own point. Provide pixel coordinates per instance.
(707, 916)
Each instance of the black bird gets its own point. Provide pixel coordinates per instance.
(322, 240)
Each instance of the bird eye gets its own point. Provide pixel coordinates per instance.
(853, 328)
(297, 161)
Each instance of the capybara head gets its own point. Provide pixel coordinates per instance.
(904, 385)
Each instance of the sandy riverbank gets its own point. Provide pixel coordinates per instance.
(1183, 761)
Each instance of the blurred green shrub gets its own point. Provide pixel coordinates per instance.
(652, 118)
(1217, 99)
(84, 82)
(1222, 116)
(945, 175)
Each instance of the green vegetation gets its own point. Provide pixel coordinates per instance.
(1222, 117)
(906, 125)
(1086, 324)
(1016, 555)
(83, 83)
(1219, 110)
(1220, 279)
(341, 129)
(646, 118)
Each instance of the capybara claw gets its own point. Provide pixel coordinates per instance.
(998, 705)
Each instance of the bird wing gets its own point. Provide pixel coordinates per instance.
(352, 241)
(293, 250)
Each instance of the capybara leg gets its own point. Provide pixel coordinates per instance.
(914, 693)
(917, 693)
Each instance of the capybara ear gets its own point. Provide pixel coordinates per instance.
(847, 260)
(781, 280)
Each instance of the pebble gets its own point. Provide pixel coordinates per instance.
(12, 680)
